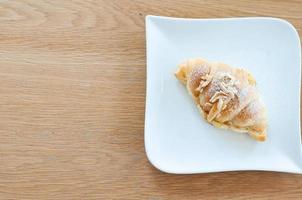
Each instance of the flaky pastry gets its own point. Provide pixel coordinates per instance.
(225, 96)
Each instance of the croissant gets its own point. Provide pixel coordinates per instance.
(225, 96)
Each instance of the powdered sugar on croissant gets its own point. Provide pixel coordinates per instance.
(226, 96)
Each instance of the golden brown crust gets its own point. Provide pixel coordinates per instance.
(225, 96)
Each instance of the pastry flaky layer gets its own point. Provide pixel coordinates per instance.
(225, 96)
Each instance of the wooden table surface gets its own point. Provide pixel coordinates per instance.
(72, 85)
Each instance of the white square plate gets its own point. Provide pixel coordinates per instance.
(177, 139)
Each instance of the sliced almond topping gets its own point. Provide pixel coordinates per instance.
(213, 113)
(220, 105)
(205, 80)
(218, 95)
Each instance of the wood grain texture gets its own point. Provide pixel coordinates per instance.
(72, 85)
